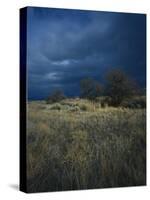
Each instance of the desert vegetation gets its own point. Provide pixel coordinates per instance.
(97, 140)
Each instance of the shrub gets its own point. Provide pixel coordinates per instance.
(136, 102)
(119, 87)
(56, 96)
(56, 106)
(106, 101)
(90, 89)
(83, 107)
(75, 109)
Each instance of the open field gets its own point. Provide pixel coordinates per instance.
(76, 144)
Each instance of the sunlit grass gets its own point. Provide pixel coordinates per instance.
(77, 144)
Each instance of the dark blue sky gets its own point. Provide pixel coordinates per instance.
(65, 46)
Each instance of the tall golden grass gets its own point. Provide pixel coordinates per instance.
(76, 144)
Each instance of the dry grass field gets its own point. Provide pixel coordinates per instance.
(77, 144)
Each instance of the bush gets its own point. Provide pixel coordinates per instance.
(74, 109)
(103, 101)
(106, 101)
(83, 107)
(119, 87)
(56, 96)
(90, 89)
(56, 106)
(136, 102)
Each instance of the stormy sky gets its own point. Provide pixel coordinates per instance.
(65, 46)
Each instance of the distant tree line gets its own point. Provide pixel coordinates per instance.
(118, 87)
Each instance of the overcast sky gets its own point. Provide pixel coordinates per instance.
(65, 46)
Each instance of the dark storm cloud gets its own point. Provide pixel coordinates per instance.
(65, 46)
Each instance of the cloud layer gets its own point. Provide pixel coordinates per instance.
(65, 46)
